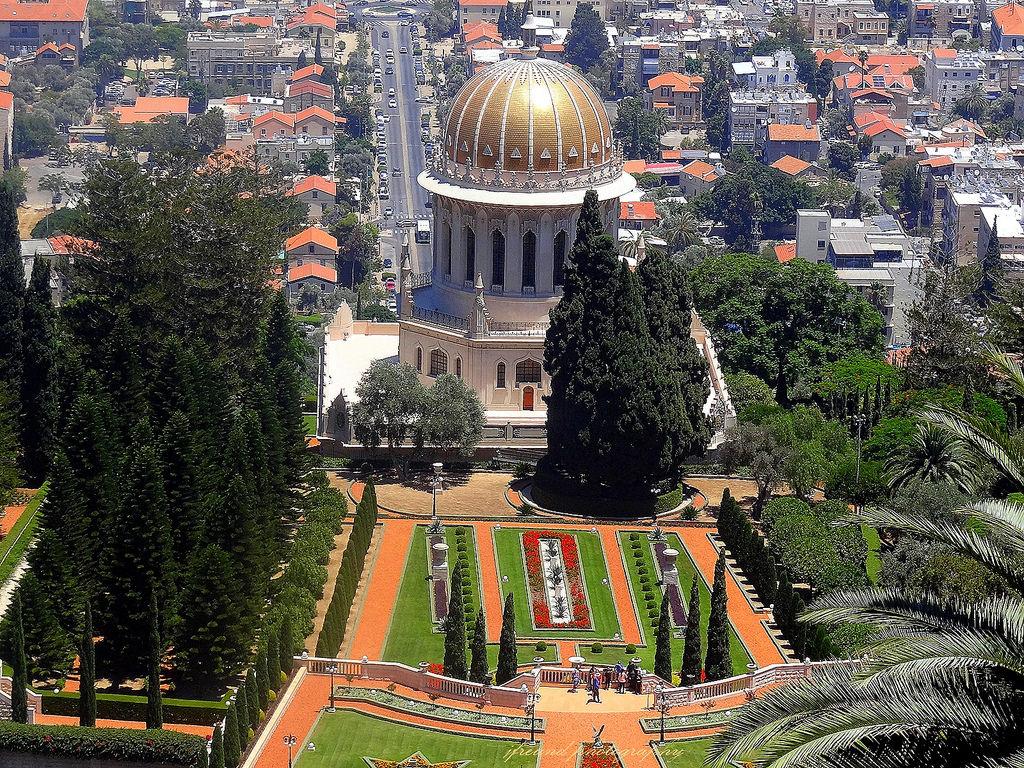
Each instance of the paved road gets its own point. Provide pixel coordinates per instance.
(404, 145)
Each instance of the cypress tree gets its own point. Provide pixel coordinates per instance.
(242, 713)
(87, 673)
(783, 604)
(287, 640)
(717, 660)
(508, 660)
(12, 293)
(318, 57)
(992, 270)
(38, 385)
(154, 700)
(19, 676)
(273, 656)
(217, 748)
(179, 462)
(478, 666)
(770, 580)
(262, 676)
(301, 62)
(690, 671)
(252, 698)
(232, 743)
(878, 401)
(455, 629)
(663, 643)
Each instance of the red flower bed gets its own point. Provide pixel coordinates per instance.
(599, 757)
(573, 581)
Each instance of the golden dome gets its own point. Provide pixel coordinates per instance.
(528, 115)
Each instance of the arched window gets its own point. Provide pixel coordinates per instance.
(470, 254)
(447, 243)
(497, 258)
(458, 367)
(500, 377)
(438, 362)
(558, 272)
(529, 261)
(528, 372)
(419, 360)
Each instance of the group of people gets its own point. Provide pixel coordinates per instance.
(624, 678)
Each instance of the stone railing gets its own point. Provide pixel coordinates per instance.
(558, 179)
(748, 683)
(512, 695)
(443, 319)
(418, 280)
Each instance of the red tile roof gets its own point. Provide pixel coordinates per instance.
(263, 22)
(790, 165)
(700, 170)
(312, 269)
(898, 63)
(642, 210)
(309, 112)
(680, 83)
(1009, 18)
(310, 86)
(273, 115)
(6, 100)
(781, 132)
(309, 235)
(148, 108)
(785, 252)
(634, 166)
(50, 11)
(313, 70)
(838, 56)
(318, 183)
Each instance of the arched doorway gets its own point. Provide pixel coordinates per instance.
(527, 398)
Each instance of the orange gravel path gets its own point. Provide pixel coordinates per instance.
(490, 587)
(197, 730)
(620, 586)
(743, 618)
(372, 628)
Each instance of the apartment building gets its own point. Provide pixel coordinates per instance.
(833, 21)
(1006, 219)
(251, 62)
(961, 213)
(678, 96)
(751, 112)
(1007, 27)
(949, 75)
(775, 71)
(642, 58)
(27, 26)
(941, 19)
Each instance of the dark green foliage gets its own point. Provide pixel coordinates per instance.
(154, 699)
(587, 38)
(508, 664)
(262, 677)
(273, 656)
(217, 748)
(349, 574)
(232, 743)
(38, 385)
(252, 699)
(19, 664)
(287, 642)
(104, 744)
(993, 272)
(241, 705)
(48, 647)
(12, 294)
(747, 548)
(717, 661)
(663, 643)
(455, 629)
(478, 667)
(690, 670)
(87, 673)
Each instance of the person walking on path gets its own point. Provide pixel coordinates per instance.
(621, 678)
(595, 686)
(575, 680)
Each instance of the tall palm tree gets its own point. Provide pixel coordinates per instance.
(681, 230)
(942, 682)
(631, 248)
(935, 455)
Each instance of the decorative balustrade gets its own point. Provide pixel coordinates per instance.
(419, 280)
(517, 329)
(436, 317)
(512, 695)
(560, 179)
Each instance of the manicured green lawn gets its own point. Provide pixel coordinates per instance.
(343, 739)
(684, 754)
(602, 606)
(411, 638)
(13, 547)
(740, 659)
(309, 422)
(873, 561)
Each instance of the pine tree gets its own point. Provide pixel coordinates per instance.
(455, 629)
(38, 386)
(992, 269)
(478, 666)
(727, 519)
(508, 660)
(179, 463)
(663, 643)
(154, 699)
(87, 673)
(262, 676)
(47, 644)
(217, 748)
(19, 676)
(690, 671)
(232, 743)
(12, 293)
(717, 660)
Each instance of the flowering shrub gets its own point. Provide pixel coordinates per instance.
(599, 757)
(573, 580)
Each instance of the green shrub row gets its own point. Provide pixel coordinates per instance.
(161, 747)
(352, 561)
(183, 712)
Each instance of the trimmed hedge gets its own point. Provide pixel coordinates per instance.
(117, 707)
(333, 633)
(166, 747)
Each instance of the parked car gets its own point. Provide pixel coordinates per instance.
(389, 212)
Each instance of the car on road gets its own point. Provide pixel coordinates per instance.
(424, 100)
(389, 71)
(388, 263)
(390, 283)
(387, 118)
(389, 212)
(385, 34)
(396, 173)
(404, 50)
(393, 104)
(391, 91)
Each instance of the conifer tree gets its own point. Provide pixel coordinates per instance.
(717, 660)
(179, 463)
(455, 629)
(38, 386)
(273, 656)
(478, 666)
(262, 676)
(318, 57)
(232, 743)
(252, 698)
(19, 676)
(12, 293)
(242, 715)
(690, 671)
(508, 660)
(727, 518)
(47, 644)
(154, 699)
(217, 747)
(302, 59)
(663, 643)
(287, 641)
(992, 270)
(877, 413)
(87, 673)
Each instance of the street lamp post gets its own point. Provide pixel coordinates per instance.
(859, 420)
(435, 485)
(332, 669)
(289, 741)
(659, 693)
(531, 707)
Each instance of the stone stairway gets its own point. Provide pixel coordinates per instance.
(362, 591)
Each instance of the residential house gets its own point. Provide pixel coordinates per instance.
(842, 62)
(751, 112)
(878, 90)
(311, 246)
(678, 96)
(63, 55)
(799, 141)
(318, 20)
(308, 93)
(148, 108)
(794, 167)
(319, 195)
(310, 276)
(638, 216)
(949, 75)
(941, 19)
(293, 137)
(698, 176)
(1007, 27)
(642, 58)
(26, 26)
(887, 136)
(775, 70)
(835, 21)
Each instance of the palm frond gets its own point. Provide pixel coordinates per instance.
(985, 438)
